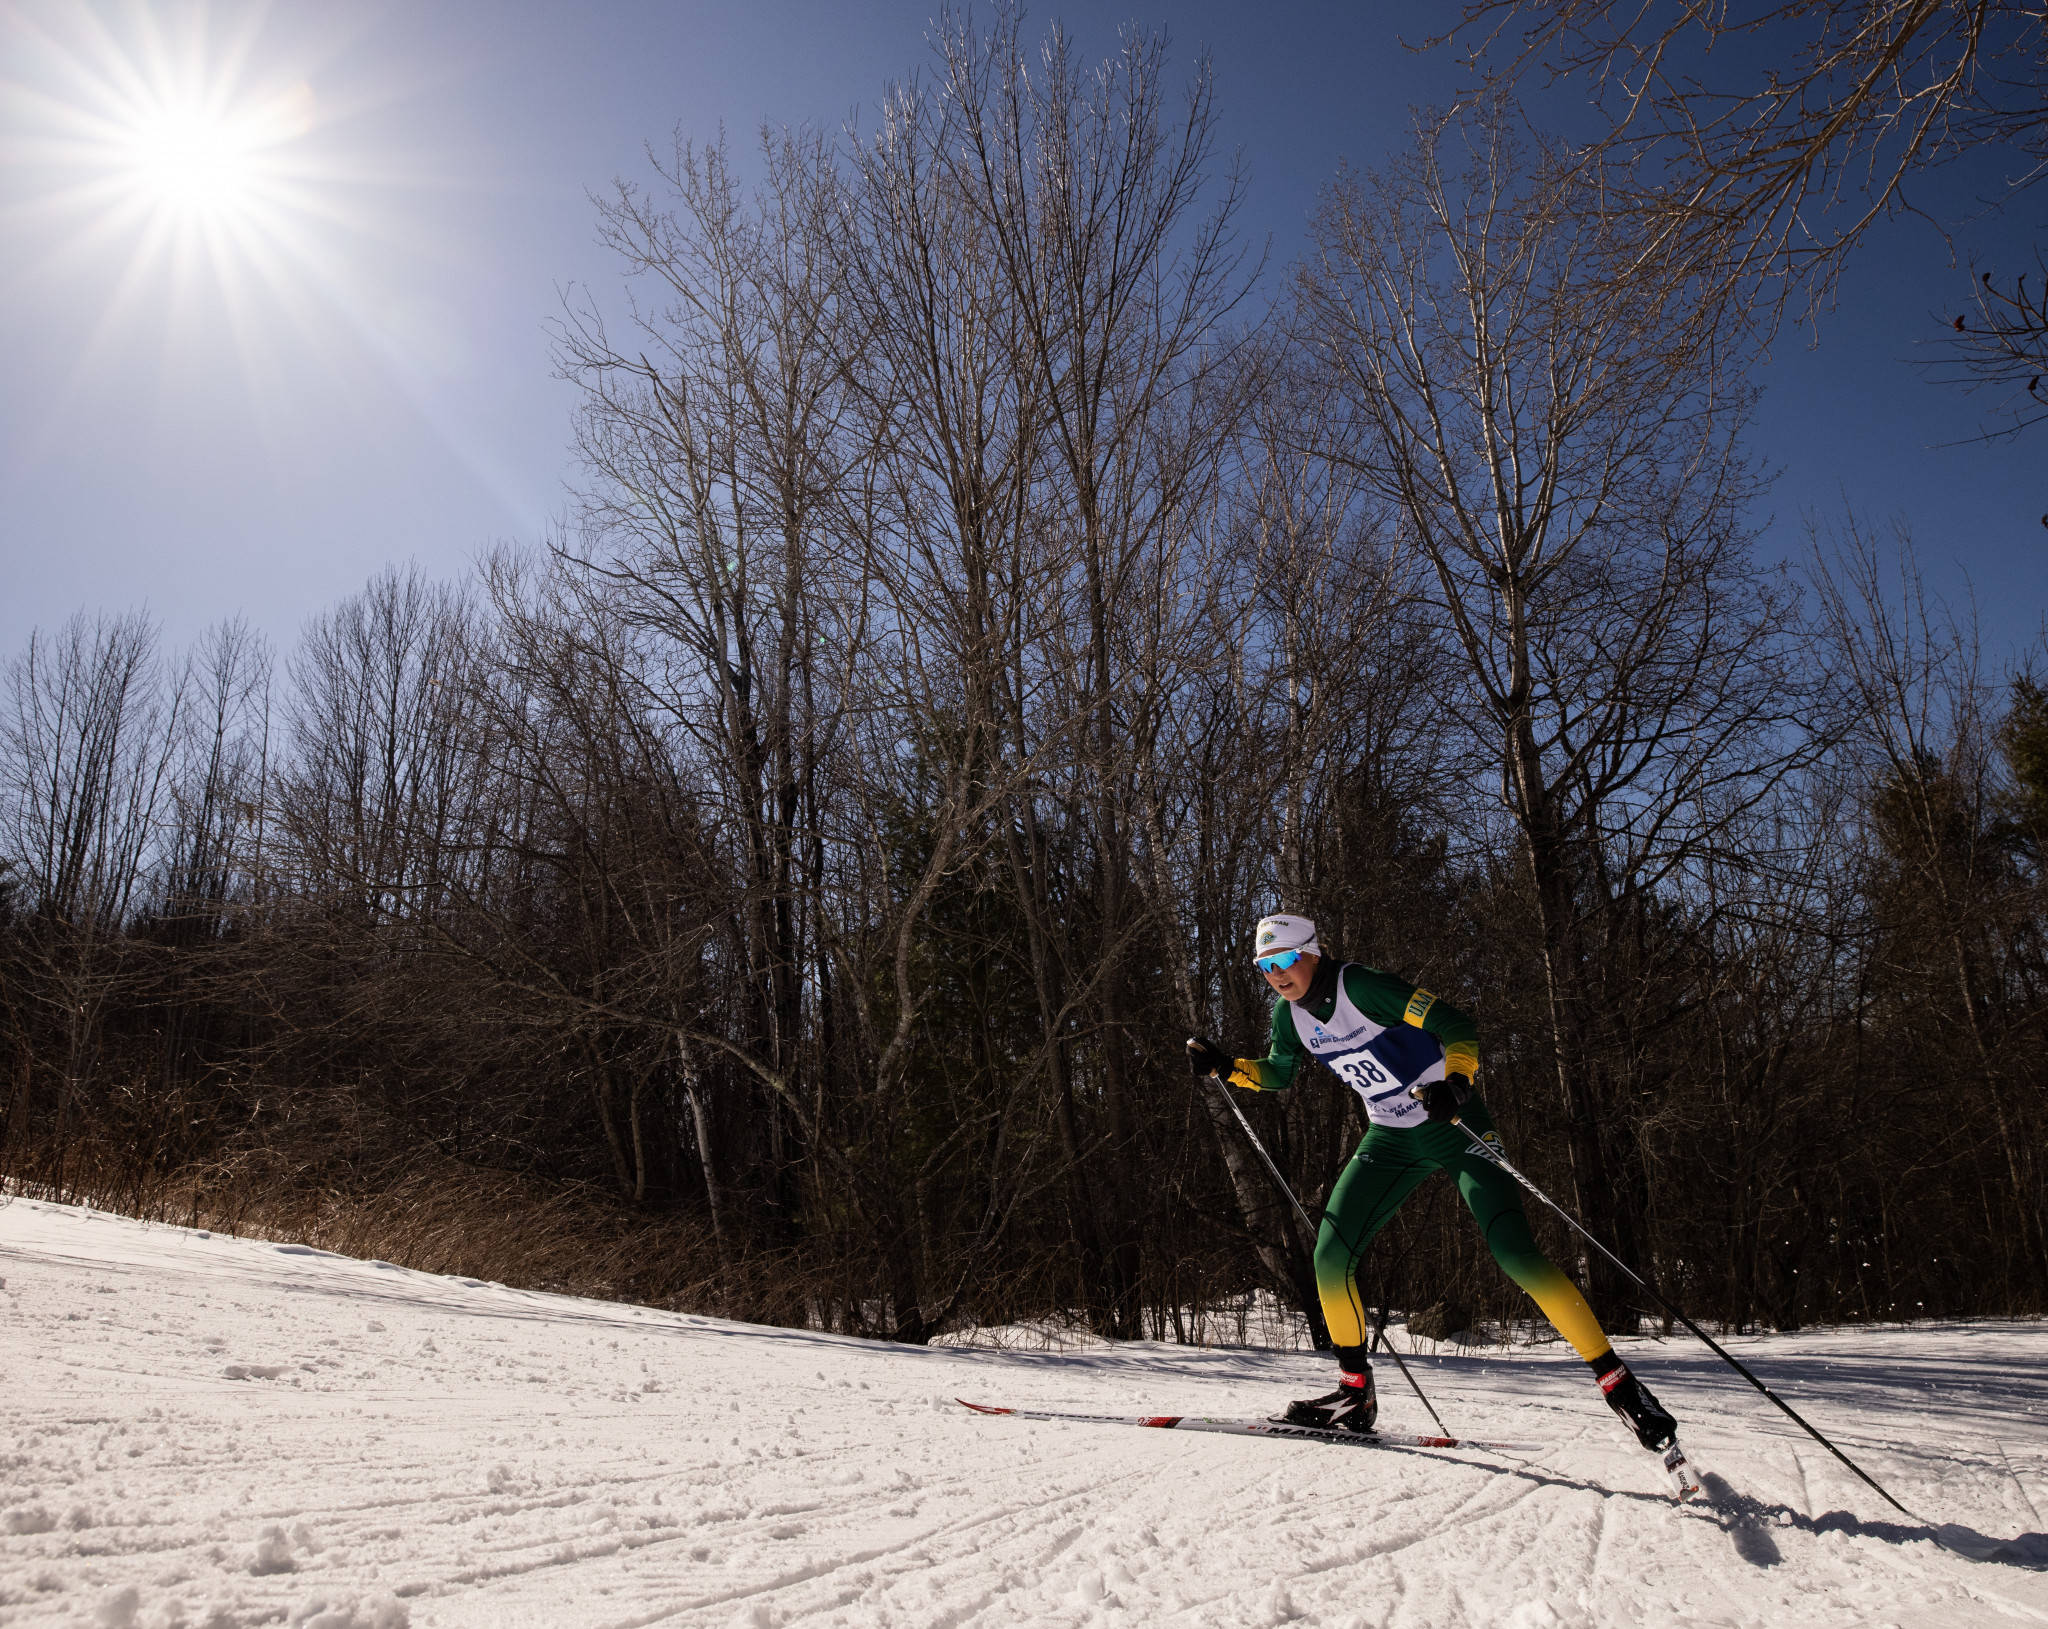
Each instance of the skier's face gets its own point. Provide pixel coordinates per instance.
(1291, 983)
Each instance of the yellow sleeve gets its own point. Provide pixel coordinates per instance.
(1257, 1075)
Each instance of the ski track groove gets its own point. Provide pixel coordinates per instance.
(820, 1569)
(2033, 1509)
(1597, 1568)
(1433, 1525)
(758, 1522)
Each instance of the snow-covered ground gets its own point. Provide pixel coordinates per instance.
(209, 1431)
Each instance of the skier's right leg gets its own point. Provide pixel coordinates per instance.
(1382, 1173)
(1379, 1176)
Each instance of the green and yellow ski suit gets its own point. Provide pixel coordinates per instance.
(1382, 1036)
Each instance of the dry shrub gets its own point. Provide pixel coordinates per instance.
(432, 1213)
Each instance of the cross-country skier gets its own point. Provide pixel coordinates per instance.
(1411, 1058)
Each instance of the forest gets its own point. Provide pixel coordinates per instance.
(989, 585)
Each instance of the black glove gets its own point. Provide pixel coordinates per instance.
(1205, 1057)
(1442, 1099)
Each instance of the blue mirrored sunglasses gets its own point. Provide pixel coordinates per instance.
(1278, 962)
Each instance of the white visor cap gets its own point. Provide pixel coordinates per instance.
(1276, 933)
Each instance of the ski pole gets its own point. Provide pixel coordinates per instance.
(1482, 1147)
(1280, 1181)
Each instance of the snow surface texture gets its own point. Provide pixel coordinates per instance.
(219, 1432)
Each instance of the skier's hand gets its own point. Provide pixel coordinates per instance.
(1442, 1099)
(1205, 1057)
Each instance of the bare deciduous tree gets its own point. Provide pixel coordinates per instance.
(1122, 276)
(1771, 137)
(89, 748)
(1562, 447)
(1948, 902)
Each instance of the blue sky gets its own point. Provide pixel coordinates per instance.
(359, 372)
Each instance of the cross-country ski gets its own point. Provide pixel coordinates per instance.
(1273, 1430)
(1684, 1481)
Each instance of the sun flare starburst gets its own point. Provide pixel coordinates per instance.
(175, 143)
(205, 222)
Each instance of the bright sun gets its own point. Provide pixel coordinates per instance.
(210, 162)
(196, 162)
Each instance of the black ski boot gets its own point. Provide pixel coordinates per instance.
(1654, 1428)
(1353, 1406)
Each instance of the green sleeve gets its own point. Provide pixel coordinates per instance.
(1390, 1001)
(1284, 1052)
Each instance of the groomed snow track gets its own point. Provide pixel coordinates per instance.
(204, 1431)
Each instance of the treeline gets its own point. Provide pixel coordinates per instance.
(787, 893)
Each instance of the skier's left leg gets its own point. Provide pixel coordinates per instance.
(1496, 1204)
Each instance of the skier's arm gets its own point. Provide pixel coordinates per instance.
(1275, 1071)
(1388, 1000)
